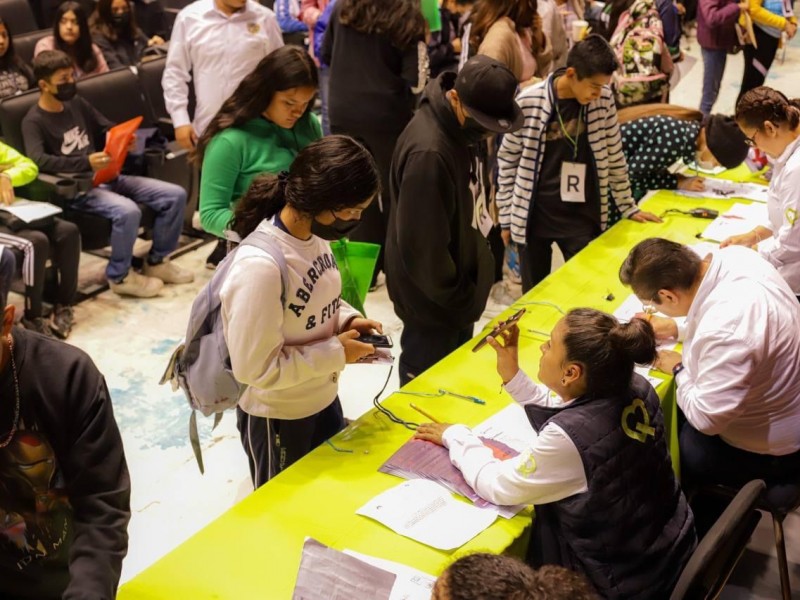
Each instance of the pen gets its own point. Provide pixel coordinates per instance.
(423, 413)
(732, 217)
(463, 397)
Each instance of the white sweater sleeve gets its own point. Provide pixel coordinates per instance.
(525, 391)
(783, 248)
(549, 471)
(346, 314)
(252, 318)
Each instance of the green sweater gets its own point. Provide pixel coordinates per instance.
(20, 169)
(235, 156)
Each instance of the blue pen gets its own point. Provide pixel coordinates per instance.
(474, 399)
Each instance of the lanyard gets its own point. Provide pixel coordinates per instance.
(573, 142)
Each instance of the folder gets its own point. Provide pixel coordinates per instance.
(118, 140)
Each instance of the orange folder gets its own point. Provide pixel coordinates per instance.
(118, 139)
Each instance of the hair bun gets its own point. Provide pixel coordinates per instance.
(635, 338)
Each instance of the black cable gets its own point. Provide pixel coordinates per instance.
(385, 411)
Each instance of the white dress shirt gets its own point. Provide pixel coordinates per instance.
(741, 356)
(549, 471)
(217, 52)
(783, 206)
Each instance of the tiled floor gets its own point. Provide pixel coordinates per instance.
(131, 340)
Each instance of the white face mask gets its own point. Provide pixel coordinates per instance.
(703, 164)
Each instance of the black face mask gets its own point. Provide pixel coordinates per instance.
(474, 132)
(342, 227)
(66, 91)
(122, 20)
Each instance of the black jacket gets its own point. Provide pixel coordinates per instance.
(122, 52)
(439, 268)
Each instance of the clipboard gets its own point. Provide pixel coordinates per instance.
(118, 139)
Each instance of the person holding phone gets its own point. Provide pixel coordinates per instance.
(290, 354)
(607, 501)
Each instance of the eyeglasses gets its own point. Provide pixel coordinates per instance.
(751, 141)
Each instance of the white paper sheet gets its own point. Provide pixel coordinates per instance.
(727, 190)
(703, 249)
(510, 426)
(741, 218)
(410, 584)
(426, 512)
(30, 211)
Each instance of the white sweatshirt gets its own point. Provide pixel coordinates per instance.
(783, 205)
(741, 355)
(290, 357)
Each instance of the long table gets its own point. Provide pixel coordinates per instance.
(254, 549)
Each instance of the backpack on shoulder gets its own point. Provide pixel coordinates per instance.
(643, 55)
(201, 365)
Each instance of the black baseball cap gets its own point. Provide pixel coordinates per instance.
(487, 88)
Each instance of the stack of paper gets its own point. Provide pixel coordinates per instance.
(421, 459)
(410, 584)
(30, 211)
(426, 512)
(726, 190)
(741, 218)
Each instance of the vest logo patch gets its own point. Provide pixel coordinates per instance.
(791, 216)
(641, 421)
(527, 465)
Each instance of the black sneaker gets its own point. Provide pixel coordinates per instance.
(38, 325)
(62, 321)
(216, 256)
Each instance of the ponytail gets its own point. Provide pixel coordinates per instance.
(263, 200)
(607, 349)
(763, 104)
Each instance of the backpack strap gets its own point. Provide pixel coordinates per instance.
(267, 243)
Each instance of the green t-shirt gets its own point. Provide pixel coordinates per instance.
(235, 156)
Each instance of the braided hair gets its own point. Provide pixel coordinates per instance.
(763, 104)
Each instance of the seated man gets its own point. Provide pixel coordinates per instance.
(62, 135)
(64, 485)
(738, 384)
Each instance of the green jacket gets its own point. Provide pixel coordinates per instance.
(235, 156)
(21, 169)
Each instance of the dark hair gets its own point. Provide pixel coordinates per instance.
(399, 20)
(283, 69)
(333, 173)
(102, 22)
(559, 583)
(81, 51)
(482, 575)
(659, 264)
(607, 349)
(766, 104)
(487, 12)
(615, 12)
(592, 56)
(10, 60)
(48, 62)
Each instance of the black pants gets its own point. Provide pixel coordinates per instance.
(59, 242)
(272, 445)
(536, 256)
(757, 61)
(8, 268)
(422, 347)
(375, 219)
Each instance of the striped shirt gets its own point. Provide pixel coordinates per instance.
(520, 158)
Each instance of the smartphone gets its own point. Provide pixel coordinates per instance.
(379, 341)
(500, 328)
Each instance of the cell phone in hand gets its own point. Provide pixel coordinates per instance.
(500, 328)
(379, 341)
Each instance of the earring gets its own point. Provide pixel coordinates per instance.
(563, 381)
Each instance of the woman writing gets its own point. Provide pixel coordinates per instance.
(600, 475)
(259, 129)
(71, 35)
(291, 354)
(771, 122)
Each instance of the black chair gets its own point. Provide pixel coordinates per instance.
(719, 551)
(18, 16)
(25, 44)
(150, 74)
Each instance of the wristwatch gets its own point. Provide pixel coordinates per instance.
(677, 369)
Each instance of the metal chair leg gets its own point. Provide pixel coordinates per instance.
(783, 566)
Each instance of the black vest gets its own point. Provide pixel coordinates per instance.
(632, 532)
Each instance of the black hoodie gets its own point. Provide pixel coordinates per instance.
(439, 268)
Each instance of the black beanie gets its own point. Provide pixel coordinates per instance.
(726, 141)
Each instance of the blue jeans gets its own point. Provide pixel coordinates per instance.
(713, 69)
(324, 79)
(117, 201)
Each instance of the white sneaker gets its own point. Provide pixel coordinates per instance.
(168, 272)
(137, 285)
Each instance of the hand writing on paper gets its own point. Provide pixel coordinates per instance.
(353, 349)
(507, 353)
(432, 432)
(691, 184)
(665, 328)
(643, 216)
(365, 326)
(666, 361)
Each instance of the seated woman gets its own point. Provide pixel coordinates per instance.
(259, 129)
(58, 241)
(116, 33)
(71, 35)
(600, 475)
(655, 136)
(15, 76)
